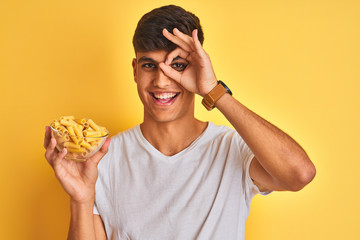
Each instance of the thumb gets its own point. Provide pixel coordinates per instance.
(170, 72)
(101, 153)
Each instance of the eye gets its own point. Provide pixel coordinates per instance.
(178, 66)
(148, 66)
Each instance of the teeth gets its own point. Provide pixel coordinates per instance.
(164, 95)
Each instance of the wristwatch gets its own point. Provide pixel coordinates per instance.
(215, 94)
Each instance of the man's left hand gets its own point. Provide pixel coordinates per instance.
(198, 77)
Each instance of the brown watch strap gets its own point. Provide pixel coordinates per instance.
(210, 99)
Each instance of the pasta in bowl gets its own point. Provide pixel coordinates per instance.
(81, 137)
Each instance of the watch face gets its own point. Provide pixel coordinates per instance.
(227, 89)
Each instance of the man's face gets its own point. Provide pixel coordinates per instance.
(163, 98)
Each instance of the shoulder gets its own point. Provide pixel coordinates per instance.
(220, 137)
(227, 137)
(118, 143)
(219, 130)
(222, 133)
(127, 135)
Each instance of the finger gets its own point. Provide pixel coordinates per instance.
(170, 72)
(50, 149)
(47, 136)
(176, 40)
(198, 47)
(196, 41)
(101, 153)
(184, 37)
(177, 52)
(60, 156)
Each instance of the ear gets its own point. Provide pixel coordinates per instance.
(134, 68)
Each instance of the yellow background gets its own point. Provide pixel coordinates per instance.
(296, 63)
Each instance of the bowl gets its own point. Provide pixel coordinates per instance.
(78, 148)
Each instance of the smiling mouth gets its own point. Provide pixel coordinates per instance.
(164, 98)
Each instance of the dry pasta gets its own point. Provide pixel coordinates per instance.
(80, 136)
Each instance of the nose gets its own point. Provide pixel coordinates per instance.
(161, 80)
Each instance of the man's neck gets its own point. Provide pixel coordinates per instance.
(171, 138)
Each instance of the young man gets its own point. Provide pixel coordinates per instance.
(173, 176)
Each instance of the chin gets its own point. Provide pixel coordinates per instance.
(163, 117)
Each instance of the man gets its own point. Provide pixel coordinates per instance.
(173, 176)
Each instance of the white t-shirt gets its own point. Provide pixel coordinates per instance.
(202, 192)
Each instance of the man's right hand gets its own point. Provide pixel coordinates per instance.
(77, 178)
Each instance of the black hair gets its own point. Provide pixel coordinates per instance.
(148, 34)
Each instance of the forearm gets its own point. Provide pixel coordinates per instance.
(280, 156)
(82, 221)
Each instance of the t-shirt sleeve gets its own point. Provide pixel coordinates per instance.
(254, 189)
(96, 211)
(247, 156)
(102, 179)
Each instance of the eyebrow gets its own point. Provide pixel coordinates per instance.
(147, 59)
(178, 58)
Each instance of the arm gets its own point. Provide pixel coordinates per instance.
(279, 163)
(78, 180)
(99, 228)
(82, 224)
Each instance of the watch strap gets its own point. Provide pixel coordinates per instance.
(215, 94)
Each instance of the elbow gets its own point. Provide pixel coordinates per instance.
(303, 177)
